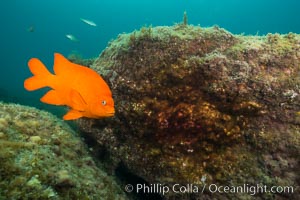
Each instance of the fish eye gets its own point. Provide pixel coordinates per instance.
(103, 102)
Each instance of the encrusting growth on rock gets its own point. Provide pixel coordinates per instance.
(195, 102)
(43, 158)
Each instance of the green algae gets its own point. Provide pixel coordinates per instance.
(43, 158)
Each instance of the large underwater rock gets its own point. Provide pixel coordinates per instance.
(43, 158)
(202, 106)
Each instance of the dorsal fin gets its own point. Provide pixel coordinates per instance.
(62, 65)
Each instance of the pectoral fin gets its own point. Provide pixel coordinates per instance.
(72, 114)
(77, 101)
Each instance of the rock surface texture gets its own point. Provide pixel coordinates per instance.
(203, 106)
(41, 157)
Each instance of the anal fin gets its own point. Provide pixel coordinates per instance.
(72, 114)
(52, 97)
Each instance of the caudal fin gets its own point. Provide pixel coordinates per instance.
(40, 77)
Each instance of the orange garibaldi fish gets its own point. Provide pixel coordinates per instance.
(73, 85)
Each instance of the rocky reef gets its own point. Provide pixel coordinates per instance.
(202, 106)
(76, 57)
(43, 158)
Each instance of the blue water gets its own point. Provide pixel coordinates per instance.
(53, 19)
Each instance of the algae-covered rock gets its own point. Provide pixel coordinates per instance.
(42, 158)
(203, 106)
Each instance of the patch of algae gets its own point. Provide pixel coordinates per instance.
(194, 102)
(42, 158)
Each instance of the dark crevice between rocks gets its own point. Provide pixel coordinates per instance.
(123, 175)
(98, 152)
(126, 177)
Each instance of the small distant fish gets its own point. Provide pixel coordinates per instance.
(80, 88)
(30, 29)
(72, 38)
(89, 22)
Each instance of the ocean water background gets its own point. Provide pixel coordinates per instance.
(53, 19)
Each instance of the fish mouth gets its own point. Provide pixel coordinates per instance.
(110, 114)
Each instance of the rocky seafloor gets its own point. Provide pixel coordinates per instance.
(41, 157)
(202, 106)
